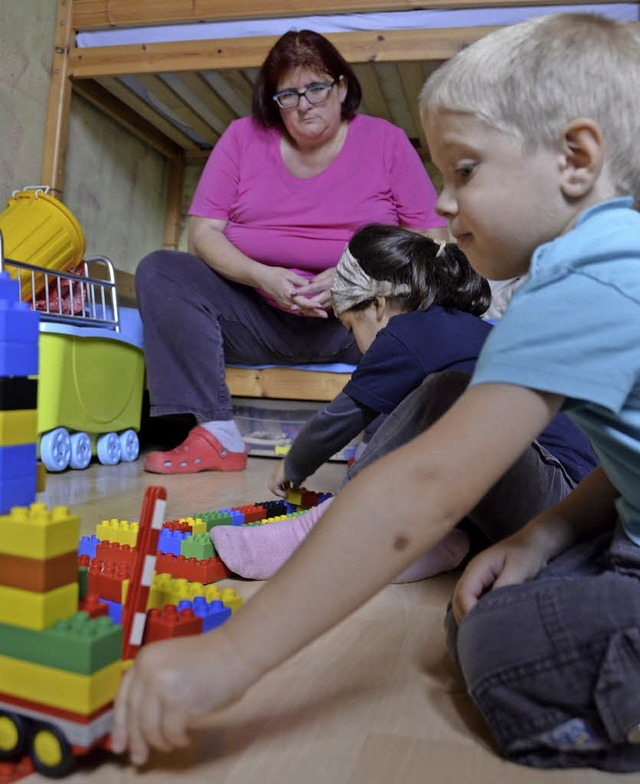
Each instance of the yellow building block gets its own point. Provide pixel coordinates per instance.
(198, 526)
(169, 590)
(32, 610)
(37, 532)
(41, 478)
(121, 531)
(159, 591)
(231, 599)
(18, 427)
(59, 689)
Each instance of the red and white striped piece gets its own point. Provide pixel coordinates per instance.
(135, 609)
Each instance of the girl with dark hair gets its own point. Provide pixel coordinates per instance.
(413, 306)
(280, 195)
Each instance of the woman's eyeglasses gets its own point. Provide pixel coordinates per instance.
(315, 94)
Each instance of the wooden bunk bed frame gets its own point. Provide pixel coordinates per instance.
(383, 59)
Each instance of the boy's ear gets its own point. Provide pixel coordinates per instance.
(583, 157)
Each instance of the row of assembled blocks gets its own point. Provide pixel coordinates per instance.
(110, 580)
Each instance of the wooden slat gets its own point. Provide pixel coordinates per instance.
(99, 14)
(205, 100)
(360, 47)
(285, 383)
(128, 97)
(56, 124)
(411, 75)
(374, 101)
(119, 111)
(164, 97)
(173, 217)
(233, 87)
(393, 89)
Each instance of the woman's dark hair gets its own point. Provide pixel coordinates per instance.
(404, 256)
(301, 49)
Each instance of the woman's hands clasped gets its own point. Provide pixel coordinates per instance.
(294, 292)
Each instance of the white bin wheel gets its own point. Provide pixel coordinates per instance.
(80, 450)
(109, 449)
(130, 446)
(55, 449)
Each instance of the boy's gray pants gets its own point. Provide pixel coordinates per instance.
(554, 664)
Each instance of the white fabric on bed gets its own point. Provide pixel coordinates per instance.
(339, 23)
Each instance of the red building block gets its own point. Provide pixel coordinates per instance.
(116, 553)
(170, 622)
(14, 771)
(205, 571)
(92, 605)
(106, 579)
(179, 525)
(252, 512)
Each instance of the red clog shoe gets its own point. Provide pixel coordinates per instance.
(200, 451)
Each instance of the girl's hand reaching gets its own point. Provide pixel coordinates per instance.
(279, 484)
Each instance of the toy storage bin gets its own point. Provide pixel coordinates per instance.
(269, 427)
(90, 382)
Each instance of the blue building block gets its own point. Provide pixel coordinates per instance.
(88, 545)
(17, 461)
(169, 541)
(18, 491)
(237, 517)
(115, 610)
(18, 323)
(18, 358)
(213, 613)
(9, 288)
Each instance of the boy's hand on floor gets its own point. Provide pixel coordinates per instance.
(512, 561)
(170, 684)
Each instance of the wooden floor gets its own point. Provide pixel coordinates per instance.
(376, 701)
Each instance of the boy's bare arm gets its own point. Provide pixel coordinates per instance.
(380, 523)
(584, 513)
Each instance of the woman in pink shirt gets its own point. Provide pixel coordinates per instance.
(282, 193)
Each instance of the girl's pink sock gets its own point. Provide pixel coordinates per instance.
(257, 552)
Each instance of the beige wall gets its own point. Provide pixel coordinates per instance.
(114, 184)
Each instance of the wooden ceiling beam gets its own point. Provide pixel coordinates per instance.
(359, 47)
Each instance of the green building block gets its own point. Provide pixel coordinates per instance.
(83, 581)
(214, 518)
(198, 546)
(77, 644)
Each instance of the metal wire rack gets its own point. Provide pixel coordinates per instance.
(88, 299)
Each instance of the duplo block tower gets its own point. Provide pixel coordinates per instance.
(18, 397)
(59, 669)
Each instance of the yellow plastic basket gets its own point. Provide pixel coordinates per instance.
(38, 229)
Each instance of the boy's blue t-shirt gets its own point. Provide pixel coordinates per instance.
(414, 345)
(573, 329)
